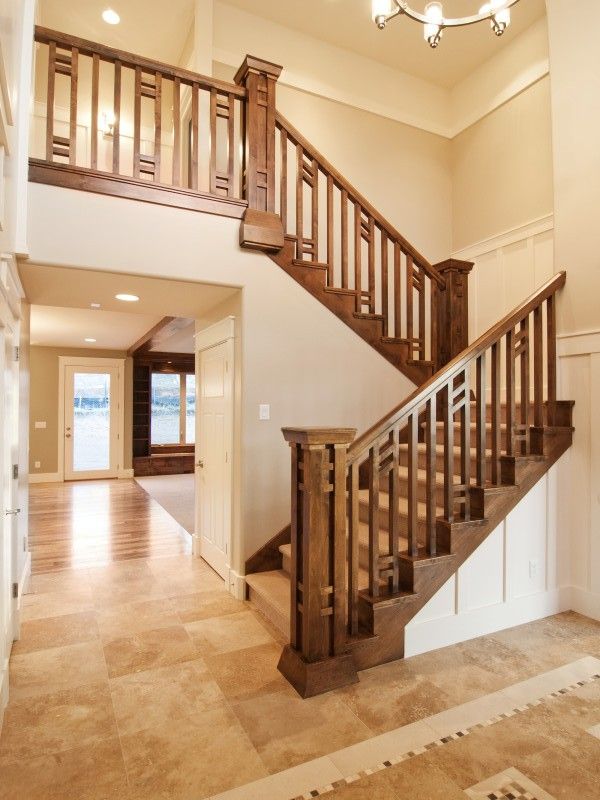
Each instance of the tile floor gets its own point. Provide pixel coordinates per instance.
(146, 679)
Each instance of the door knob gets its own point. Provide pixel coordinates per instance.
(12, 512)
(67, 435)
(200, 463)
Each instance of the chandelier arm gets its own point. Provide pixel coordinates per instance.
(402, 7)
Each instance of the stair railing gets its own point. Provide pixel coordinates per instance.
(338, 484)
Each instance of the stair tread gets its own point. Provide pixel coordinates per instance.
(273, 586)
(299, 262)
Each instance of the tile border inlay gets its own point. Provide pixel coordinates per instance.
(441, 741)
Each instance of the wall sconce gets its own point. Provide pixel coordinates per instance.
(107, 124)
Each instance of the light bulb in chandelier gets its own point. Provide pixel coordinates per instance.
(433, 30)
(500, 19)
(380, 11)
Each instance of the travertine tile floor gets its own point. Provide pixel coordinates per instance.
(145, 679)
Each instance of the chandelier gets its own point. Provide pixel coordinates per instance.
(434, 22)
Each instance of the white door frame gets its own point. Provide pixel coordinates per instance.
(94, 363)
(220, 333)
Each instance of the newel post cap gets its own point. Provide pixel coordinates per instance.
(454, 265)
(319, 436)
(258, 66)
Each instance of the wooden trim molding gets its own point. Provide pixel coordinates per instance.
(89, 180)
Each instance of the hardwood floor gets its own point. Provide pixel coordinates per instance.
(94, 523)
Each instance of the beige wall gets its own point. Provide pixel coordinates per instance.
(502, 169)
(44, 372)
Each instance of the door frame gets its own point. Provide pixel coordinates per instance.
(92, 363)
(222, 332)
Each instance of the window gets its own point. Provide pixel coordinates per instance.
(173, 409)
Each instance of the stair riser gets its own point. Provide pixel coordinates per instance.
(457, 434)
(384, 521)
(421, 490)
(439, 463)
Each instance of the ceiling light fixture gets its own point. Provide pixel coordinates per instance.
(127, 298)
(110, 16)
(434, 22)
(89, 340)
(95, 305)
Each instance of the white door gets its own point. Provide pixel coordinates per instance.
(91, 428)
(214, 426)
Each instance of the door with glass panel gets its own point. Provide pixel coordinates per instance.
(91, 422)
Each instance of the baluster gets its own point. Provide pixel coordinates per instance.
(73, 107)
(177, 132)
(397, 292)
(299, 202)
(538, 368)
(94, 120)
(430, 475)
(137, 122)
(50, 101)
(413, 474)
(330, 253)
(551, 355)
(385, 307)
(193, 178)
(448, 454)
(344, 229)
(410, 331)
(510, 393)
(496, 413)
(433, 323)
(374, 520)
(157, 125)
(283, 189)
(421, 290)
(358, 255)
(353, 547)
(213, 142)
(394, 512)
(465, 443)
(525, 400)
(314, 227)
(230, 145)
(117, 124)
(371, 259)
(480, 410)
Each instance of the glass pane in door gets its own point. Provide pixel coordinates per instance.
(166, 408)
(190, 409)
(91, 421)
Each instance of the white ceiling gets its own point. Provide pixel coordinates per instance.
(180, 342)
(159, 30)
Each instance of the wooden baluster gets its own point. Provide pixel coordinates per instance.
(525, 398)
(299, 202)
(413, 475)
(465, 440)
(316, 660)
(177, 132)
(358, 255)
(394, 515)
(397, 291)
(344, 228)
(410, 330)
(480, 422)
(421, 284)
(137, 122)
(510, 393)
(283, 186)
(371, 262)
(314, 225)
(433, 324)
(496, 413)
(116, 160)
(213, 142)
(551, 355)
(94, 120)
(330, 231)
(374, 520)
(538, 368)
(430, 474)
(73, 108)
(353, 547)
(193, 178)
(157, 126)
(50, 101)
(231, 146)
(448, 454)
(385, 306)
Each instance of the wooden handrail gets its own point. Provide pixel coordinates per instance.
(354, 195)
(127, 59)
(474, 350)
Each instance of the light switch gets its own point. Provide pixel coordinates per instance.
(41, 425)
(264, 411)
(38, 464)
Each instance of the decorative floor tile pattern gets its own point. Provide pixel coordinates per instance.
(508, 785)
(493, 795)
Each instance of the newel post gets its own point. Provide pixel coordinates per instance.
(453, 310)
(261, 228)
(317, 658)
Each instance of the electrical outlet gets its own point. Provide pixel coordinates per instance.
(264, 411)
(534, 568)
(41, 425)
(37, 464)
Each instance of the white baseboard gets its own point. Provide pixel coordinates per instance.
(422, 637)
(3, 690)
(24, 581)
(196, 546)
(237, 584)
(585, 602)
(45, 477)
(125, 473)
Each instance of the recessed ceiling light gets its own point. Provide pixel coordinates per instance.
(110, 16)
(95, 305)
(127, 298)
(89, 340)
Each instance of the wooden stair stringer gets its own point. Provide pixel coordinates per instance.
(342, 304)
(387, 617)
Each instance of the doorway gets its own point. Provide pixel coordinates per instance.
(90, 416)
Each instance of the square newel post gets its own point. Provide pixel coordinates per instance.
(453, 310)
(261, 228)
(317, 658)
